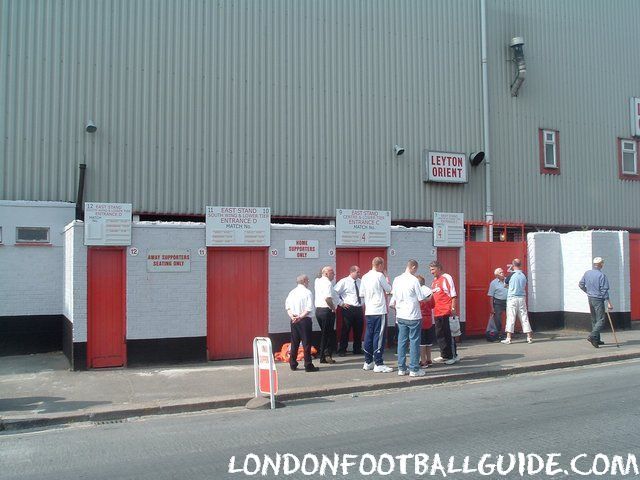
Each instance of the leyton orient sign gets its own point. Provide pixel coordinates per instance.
(445, 167)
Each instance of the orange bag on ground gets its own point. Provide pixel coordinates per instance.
(285, 352)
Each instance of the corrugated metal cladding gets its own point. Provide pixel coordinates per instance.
(582, 68)
(296, 104)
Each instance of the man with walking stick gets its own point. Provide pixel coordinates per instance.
(596, 285)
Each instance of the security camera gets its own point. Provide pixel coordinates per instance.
(398, 150)
(90, 128)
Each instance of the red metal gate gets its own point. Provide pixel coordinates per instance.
(106, 307)
(481, 259)
(237, 304)
(347, 257)
(634, 266)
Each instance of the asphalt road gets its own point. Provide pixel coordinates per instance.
(589, 416)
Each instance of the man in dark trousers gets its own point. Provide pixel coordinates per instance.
(299, 305)
(348, 289)
(445, 297)
(596, 285)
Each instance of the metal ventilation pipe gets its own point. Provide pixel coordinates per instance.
(517, 44)
(79, 210)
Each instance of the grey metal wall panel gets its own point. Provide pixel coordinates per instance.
(582, 69)
(294, 104)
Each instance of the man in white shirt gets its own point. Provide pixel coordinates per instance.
(299, 305)
(326, 303)
(406, 300)
(348, 289)
(373, 290)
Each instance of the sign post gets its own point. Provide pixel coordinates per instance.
(265, 374)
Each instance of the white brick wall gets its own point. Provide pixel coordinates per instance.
(32, 275)
(75, 279)
(283, 271)
(557, 267)
(544, 269)
(160, 304)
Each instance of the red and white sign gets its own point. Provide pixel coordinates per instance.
(363, 228)
(107, 223)
(169, 261)
(238, 226)
(635, 117)
(265, 361)
(446, 167)
(301, 249)
(448, 229)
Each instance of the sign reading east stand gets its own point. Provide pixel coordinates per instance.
(238, 226)
(445, 167)
(448, 229)
(107, 223)
(363, 228)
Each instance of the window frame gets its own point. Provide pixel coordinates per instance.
(542, 144)
(20, 241)
(621, 172)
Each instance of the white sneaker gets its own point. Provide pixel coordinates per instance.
(382, 369)
(403, 372)
(450, 361)
(530, 340)
(368, 366)
(438, 360)
(419, 373)
(506, 341)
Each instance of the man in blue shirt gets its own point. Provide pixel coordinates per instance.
(595, 284)
(516, 303)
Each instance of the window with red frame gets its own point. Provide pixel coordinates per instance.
(628, 159)
(549, 141)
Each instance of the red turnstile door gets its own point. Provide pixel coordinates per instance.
(237, 304)
(106, 307)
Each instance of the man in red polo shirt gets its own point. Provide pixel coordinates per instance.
(445, 297)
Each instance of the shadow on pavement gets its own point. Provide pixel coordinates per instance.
(45, 404)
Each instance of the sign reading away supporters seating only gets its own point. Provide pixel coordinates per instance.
(168, 261)
(107, 223)
(238, 226)
(363, 228)
(445, 167)
(448, 229)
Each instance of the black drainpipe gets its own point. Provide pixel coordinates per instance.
(79, 203)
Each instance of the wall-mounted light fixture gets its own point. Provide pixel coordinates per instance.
(517, 47)
(91, 127)
(476, 158)
(398, 150)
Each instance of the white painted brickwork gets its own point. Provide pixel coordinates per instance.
(161, 304)
(544, 271)
(559, 266)
(75, 279)
(409, 243)
(283, 271)
(31, 276)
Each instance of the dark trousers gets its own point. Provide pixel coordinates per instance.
(327, 321)
(301, 330)
(596, 306)
(499, 307)
(445, 340)
(352, 319)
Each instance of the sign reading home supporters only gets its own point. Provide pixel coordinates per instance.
(301, 249)
(446, 167)
(238, 226)
(107, 223)
(363, 228)
(448, 229)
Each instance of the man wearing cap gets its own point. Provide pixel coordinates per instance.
(596, 285)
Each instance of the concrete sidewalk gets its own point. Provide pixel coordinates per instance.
(39, 390)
